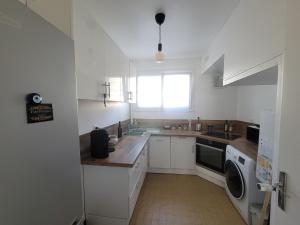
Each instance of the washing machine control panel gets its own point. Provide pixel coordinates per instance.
(241, 160)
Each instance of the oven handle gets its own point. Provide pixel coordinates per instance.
(207, 146)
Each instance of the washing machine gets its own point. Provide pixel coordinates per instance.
(241, 182)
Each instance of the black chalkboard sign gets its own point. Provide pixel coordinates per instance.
(39, 113)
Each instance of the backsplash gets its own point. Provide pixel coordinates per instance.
(239, 127)
(85, 141)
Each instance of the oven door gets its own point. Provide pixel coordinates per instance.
(211, 157)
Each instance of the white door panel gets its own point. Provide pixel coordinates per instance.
(289, 154)
(159, 152)
(183, 152)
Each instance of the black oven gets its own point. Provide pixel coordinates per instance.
(210, 154)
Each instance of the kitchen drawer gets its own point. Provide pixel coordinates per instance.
(134, 197)
(136, 171)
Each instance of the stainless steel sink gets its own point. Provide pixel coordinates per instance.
(136, 132)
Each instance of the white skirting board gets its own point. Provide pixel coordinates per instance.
(97, 220)
(199, 171)
(211, 176)
(172, 171)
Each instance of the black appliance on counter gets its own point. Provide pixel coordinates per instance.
(99, 143)
(210, 154)
(253, 133)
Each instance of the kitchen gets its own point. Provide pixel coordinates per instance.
(174, 142)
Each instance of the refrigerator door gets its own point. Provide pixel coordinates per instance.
(40, 182)
(265, 147)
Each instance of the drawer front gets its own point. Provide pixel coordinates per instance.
(136, 171)
(134, 197)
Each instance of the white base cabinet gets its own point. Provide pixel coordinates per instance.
(183, 153)
(172, 154)
(159, 153)
(111, 192)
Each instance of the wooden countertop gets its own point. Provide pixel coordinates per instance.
(129, 148)
(242, 144)
(126, 153)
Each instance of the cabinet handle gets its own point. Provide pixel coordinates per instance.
(213, 148)
(108, 89)
(130, 95)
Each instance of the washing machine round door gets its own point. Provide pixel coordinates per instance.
(234, 179)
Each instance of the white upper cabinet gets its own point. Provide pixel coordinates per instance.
(117, 69)
(183, 154)
(89, 39)
(56, 12)
(131, 83)
(101, 67)
(257, 31)
(253, 35)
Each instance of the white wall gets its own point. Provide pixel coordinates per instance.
(215, 103)
(93, 113)
(208, 102)
(252, 100)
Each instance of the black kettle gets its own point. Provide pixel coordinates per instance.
(99, 143)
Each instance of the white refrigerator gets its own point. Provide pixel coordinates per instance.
(40, 180)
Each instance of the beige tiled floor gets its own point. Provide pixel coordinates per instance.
(183, 200)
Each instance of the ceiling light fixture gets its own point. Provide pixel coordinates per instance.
(159, 56)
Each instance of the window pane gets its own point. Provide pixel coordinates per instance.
(176, 91)
(149, 91)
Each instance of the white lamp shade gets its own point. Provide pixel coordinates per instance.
(159, 57)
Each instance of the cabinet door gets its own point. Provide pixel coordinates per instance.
(159, 152)
(56, 12)
(89, 41)
(113, 70)
(183, 152)
(131, 83)
(253, 35)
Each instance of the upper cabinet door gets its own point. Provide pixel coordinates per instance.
(131, 83)
(101, 67)
(253, 35)
(113, 70)
(89, 41)
(56, 12)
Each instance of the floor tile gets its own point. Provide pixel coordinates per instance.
(167, 199)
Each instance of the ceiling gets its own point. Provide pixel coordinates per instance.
(189, 28)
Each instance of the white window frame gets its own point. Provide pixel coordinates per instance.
(162, 109)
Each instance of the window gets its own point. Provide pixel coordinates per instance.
(166, 91)
(149, 91)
